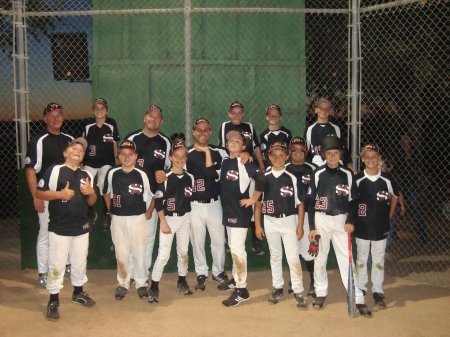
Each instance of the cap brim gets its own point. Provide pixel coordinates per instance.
(234, 134)
(278, 148)
(79, 140)
(364, 151)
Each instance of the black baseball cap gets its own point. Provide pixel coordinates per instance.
(101, 101)
(52, 106)
(236, 104)
(200, 121)
(278, 146)
(298, 141)
(154, 107)
(235, 133)
(80, 140)
(178, 146)
(369, 147)
(128, 144)
(273, 107)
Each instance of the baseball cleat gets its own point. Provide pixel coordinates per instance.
(121, 292)
(183, 287)
(379, 300)
(300, 301)
(68, 270)
(142, 292)
(84, 299)
(227, 286)
(239, 295)
(364, 310)
(276, 295)
(257, 247)
(53, 310)
(312, 291)
(318, 302)
(221, 278)
(290, 291)
(153, 295)
(201, 282)
(43, 280)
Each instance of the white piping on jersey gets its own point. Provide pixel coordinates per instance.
(147, 193)
(39, 151)
(167, 162)
(374, 178)
(244, 179)
(53, 179)
(309, 132)
(224, 141)
(276, 133)
(294, 181)
(90, 125)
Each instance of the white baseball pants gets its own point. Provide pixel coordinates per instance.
(59, 248)
(207, 216)
(236, 241)
(331, 228)
(303, 244)
(279, 232)
(102, 171)
(129, 234)
(377, 274)
(42, 245)
(181, 227)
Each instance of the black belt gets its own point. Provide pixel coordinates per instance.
(207, 201)
(281, 215)
(333, 214)
(175, 214)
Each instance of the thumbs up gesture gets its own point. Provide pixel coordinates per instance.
(66, 193)
(86, 188)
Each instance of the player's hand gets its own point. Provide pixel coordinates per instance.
(67, 193)
(165, 229)
(86, 188)
(312, 235)
(245, 157)
(39, 205)
(402, 210)
(349, 228)
(314, 246)
(259, 232)
(148, 214)
(262, 168)
(201, 148)
(160, 177)
(299, 233)
(247, 202)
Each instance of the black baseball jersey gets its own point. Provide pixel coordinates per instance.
(100, 140)
(303, 174)
(153, 154)
(280, 194)
(315, 133)
(206, 179)
(370, 213)
(331, 191)
(129, 191)
(268, 137)
(46, 149)
(67, 217)
(247, 129)
(174, 195)
(235, 181)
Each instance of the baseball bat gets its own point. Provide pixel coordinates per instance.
(350, 284)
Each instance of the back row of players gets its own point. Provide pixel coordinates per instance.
(213, 178)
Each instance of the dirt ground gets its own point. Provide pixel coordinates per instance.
(413, 309)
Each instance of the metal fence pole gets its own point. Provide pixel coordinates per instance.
(188, 69)
(354, 82)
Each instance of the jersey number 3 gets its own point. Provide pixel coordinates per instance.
(321, 203)
(92, 150)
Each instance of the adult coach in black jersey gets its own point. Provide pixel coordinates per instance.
(153, 154)
(45, 149)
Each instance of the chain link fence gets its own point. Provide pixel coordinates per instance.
(193, 58)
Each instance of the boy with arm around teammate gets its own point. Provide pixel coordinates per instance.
(279, 205)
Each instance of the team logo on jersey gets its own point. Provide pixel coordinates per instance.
(160, 154)
(86, 226)
(306, 179)
(188, 191)
(83, 181)
(108, 138)
(27, 160)
(247, 135)
(286, 191)
(232, 175)
(135, 189)
(382, 195)
(263, 147)
(158, 194)
(41, 183)
(232, 220)
(342, 189)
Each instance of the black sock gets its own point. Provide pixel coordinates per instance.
(77, 290)
(54, 297)
(181, 278)
(154, 285)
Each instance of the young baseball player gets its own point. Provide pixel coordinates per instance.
(68, 190)
(44, 150)
(279, 205)
(173, 204)
(315, 133)
(332, 188)
(302, 170)
(235, 179)
(130, 203)
(236, 114)
(102, 135)
(153, 155)
(274, 132)
(375, 206)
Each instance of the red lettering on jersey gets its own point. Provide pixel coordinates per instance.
(286, 191)
(140, 162)
(342, 189)
(92, 150)
(267, 207)
(108, 138)
(135, 189)
(321, 203)
(362, 211)
(232, 175)
(382, 195)
(171, 204)
(116, 200)
(199, 185)
(306, 178)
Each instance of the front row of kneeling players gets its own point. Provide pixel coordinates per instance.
(283, 194)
